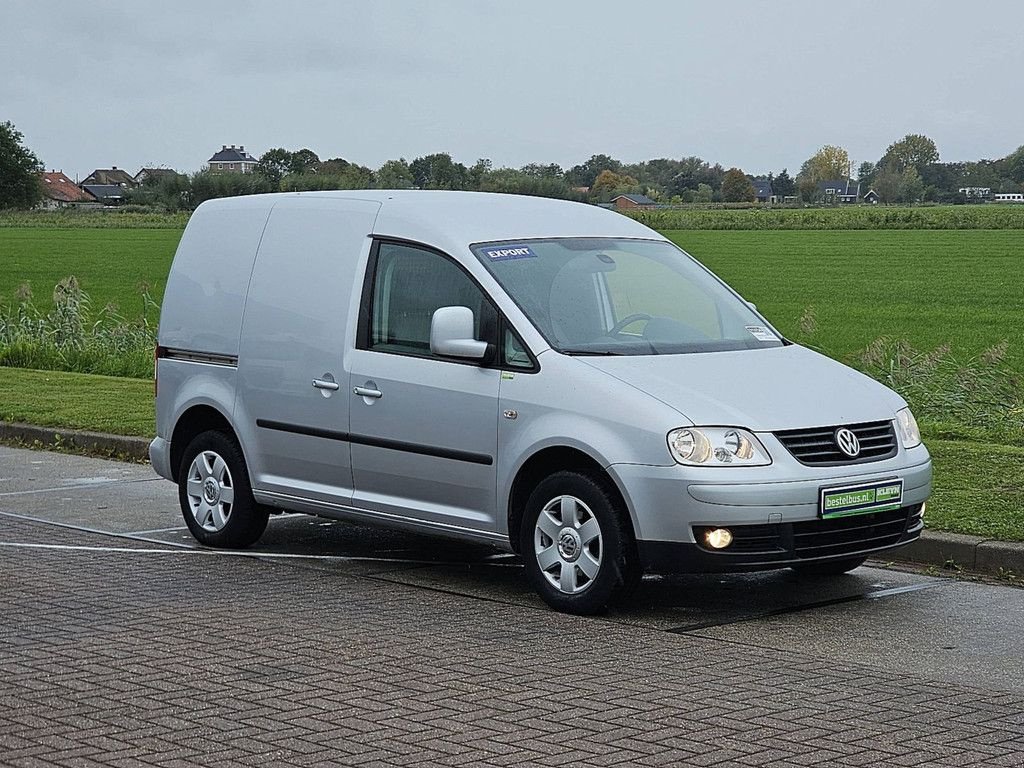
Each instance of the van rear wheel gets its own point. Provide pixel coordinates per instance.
(215, 494)
(577, 544)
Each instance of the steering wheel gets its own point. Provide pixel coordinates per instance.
(627, 321)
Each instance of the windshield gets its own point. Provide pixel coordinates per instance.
(603, 296)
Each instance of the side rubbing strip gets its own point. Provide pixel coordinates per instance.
(298, 429)
(379, 442)
(425, 450)
(193, 356)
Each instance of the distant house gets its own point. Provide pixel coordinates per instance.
(763, 190)
(145, 174)
(976, 193)
(232, 160)
(107, 194)
(61, 192)
(110, 177)
(839, 191)
(628, 202)
(871, 197)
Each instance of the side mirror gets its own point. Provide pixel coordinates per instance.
(451, 334)
(752, 305)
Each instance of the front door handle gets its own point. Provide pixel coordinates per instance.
(333, 386)
(367, 392)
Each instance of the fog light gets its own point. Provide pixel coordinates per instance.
(923, 506)
(718, 538)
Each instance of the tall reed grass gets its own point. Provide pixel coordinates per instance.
(850, 217)
(71, 336)
(952, 395)
(129, 217)
(956, 396)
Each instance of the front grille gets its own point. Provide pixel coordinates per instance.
(811, 539)
(816, 447)
(827, 538)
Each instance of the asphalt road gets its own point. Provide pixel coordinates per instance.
(124, 643)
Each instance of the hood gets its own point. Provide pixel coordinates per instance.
(763, 390)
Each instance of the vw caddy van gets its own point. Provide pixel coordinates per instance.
(547, 377)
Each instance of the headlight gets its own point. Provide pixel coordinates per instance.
(716, 447)
(906, 425)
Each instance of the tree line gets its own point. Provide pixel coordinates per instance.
(908, 172)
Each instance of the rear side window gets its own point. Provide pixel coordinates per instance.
(409, 284)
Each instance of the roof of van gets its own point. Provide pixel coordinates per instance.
(457, 219)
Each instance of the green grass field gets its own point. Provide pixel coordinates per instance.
(964, 288)
(111, 264)
(931, 287)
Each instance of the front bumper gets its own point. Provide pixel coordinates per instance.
(780, 545)
(772, 509)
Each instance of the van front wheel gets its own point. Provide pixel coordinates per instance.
(577, 544)
(215, 494)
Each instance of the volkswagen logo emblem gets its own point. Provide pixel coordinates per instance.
(848, 442)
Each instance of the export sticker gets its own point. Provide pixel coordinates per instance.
(509, 252)
(761, 333)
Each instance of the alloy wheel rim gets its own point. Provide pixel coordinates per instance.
(210, 490)
(568, 544)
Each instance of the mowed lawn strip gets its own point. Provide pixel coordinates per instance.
(112, 265)
(929, 287)
(979, 487)
(78, 401)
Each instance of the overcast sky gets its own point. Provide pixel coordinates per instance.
(759, 85)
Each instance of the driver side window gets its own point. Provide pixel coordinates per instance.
(409, 284)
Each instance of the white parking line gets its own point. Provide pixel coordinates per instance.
(154, 530)
(85, 529)
(230, 553)
(74, 486)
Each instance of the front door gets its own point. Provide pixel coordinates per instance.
(423, 430)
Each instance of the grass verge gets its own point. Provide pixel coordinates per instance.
(77, 401)
(978, 487)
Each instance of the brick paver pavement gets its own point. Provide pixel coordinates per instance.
(125, 658)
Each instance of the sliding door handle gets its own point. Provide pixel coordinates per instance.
(333, 386)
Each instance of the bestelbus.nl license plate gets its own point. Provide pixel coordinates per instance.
(861, 499)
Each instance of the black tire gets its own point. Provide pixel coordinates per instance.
(618, 571)
(242, 521)
(830, 568)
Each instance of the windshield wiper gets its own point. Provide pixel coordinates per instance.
(591, 352)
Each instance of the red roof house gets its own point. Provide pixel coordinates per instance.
(61, 192)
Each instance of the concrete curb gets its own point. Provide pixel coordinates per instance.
(972, 553)
(93, 443)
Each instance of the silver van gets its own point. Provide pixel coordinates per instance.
(548, 377)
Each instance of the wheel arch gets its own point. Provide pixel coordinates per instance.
(546, 461)
(193, 421)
